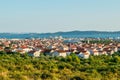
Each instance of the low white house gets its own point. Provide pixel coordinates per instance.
(51, 47)
(95, 52)
(84, 55)
(63, 47)
(115, 49)
(110, 52)
(60, 53)
(34, 53)
(102, 52)
(27, 49)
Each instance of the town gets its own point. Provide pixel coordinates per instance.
(58, 47)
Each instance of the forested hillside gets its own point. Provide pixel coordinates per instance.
(22, 67)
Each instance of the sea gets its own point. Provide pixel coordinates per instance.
(110, 35)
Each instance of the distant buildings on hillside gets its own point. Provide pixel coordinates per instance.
(58, 47)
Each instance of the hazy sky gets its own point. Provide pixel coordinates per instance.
(59, 15)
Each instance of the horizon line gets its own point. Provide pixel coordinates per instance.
(59, 31)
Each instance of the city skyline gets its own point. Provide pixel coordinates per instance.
(63, 15)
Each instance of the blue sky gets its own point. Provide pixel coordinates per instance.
(59, 15)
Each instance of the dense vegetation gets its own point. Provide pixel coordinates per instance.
(106, 41)
(17, 67)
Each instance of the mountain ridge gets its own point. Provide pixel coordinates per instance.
(73, 34)
(59, 32)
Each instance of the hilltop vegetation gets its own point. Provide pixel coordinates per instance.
(22, 67)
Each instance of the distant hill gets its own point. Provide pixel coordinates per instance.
(73, 34)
